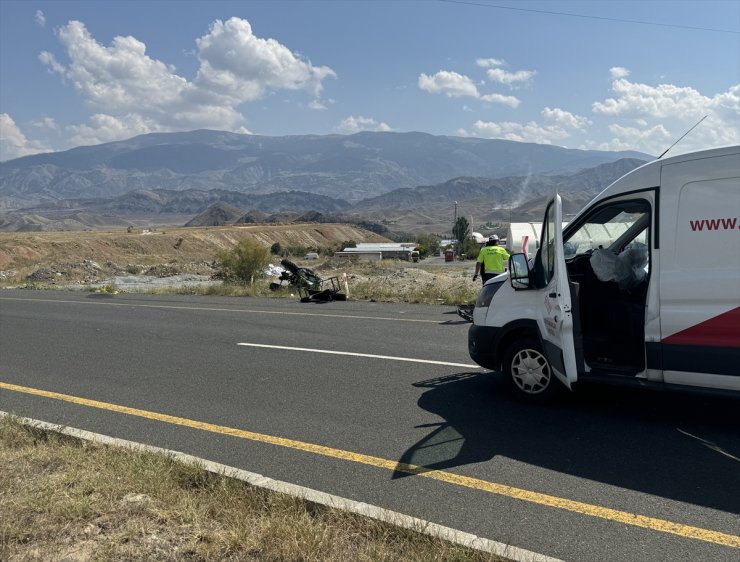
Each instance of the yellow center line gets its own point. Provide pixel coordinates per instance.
(627, 518)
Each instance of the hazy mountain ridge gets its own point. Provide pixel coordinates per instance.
(352, 167)
(493, 199)
(510, 191)
(414, 208)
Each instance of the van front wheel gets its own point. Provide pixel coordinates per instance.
(529, 372)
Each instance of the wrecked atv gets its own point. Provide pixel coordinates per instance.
(311, 287)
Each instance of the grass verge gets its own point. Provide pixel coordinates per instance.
(63, 498)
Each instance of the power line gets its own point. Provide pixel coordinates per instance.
(602, 18)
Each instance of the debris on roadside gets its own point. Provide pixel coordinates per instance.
(465, 311)
(311, 287)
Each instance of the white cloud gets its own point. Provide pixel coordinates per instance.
(619, 72)
(558, 125)
(319, 105)
(235, 60)
(107, 128)
(527, 132)
(511, 101)
(354, 124)
(653, 115)
(13, 143)
(664, 100)
(449, 83)
(134, 93)
(455, 85)
(628, 138)
(123, 80)
(40, 18)
(638, 116)
(565, 119)
(50, 60)
(46, 123)
(489, 63)
(509, 78)
(497, 74)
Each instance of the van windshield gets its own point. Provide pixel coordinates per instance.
(612, 227)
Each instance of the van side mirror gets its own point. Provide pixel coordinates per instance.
(519, 271)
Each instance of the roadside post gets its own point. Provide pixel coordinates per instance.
(345, 282)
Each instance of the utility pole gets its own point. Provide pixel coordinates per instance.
(454, 231)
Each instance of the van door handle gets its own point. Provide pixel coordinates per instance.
(553, 295)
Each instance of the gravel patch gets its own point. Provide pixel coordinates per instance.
(130, 283)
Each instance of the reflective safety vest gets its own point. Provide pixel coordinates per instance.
(493, 258)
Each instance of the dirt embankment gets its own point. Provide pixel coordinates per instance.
(87, 255)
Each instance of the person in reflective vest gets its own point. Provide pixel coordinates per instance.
(492, 258)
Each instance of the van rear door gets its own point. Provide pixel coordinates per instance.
(555, 315)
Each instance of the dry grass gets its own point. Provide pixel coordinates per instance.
(386, 281)
(66, 499)
(398, 282)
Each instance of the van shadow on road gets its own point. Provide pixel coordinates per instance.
(676, 446)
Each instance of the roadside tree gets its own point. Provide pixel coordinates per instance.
(461, 229)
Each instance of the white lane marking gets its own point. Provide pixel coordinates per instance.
(371, 356)
(212, 309)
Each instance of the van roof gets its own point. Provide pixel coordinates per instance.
(649, 173)
(695, 155)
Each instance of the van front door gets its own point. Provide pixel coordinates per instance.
(555, 317)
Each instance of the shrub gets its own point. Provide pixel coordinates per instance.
(243, 263)
(298, 251)
(470, 248)
(427, 244)
(276, 249)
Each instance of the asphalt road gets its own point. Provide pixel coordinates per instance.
(402, 418)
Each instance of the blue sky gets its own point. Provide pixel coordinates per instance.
(610, 75)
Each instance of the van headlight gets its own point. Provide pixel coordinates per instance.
(486, 294)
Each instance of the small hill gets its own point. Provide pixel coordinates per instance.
(252, 217)
(218, 214)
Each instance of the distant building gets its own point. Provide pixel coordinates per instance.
(380, 251)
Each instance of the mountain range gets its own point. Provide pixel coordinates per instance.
(182, 174)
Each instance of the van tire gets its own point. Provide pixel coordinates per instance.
(529, 373)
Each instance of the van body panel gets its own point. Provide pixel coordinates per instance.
(701, 380)
(700, 272)
(678, 321)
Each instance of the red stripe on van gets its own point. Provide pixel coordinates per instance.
(720, 331)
